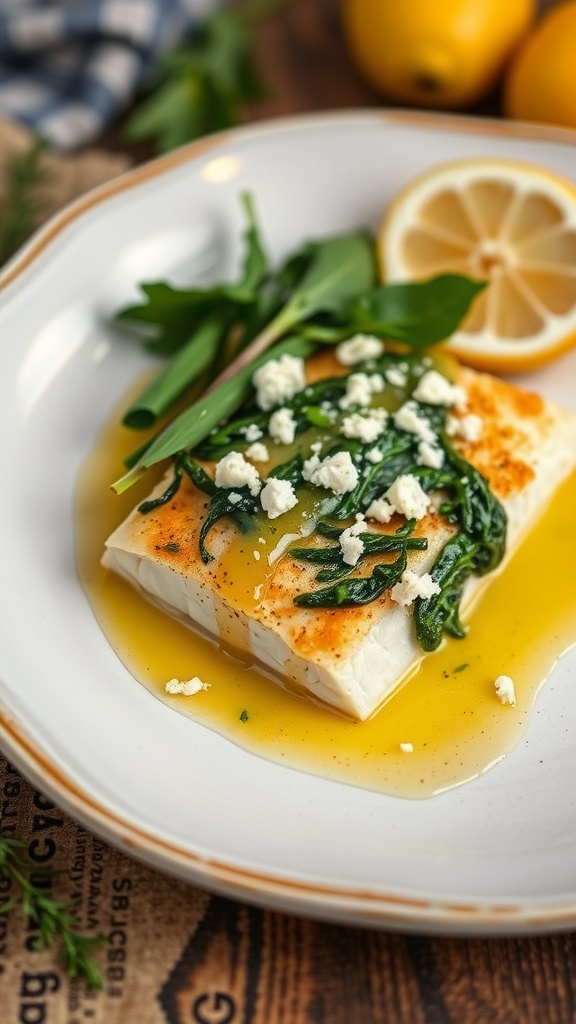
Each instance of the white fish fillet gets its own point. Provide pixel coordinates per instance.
(348, 658)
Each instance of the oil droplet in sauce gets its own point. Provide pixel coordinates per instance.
(444, 726)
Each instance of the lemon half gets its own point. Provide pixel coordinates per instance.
(512, 224)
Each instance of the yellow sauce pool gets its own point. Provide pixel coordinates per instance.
(447, 710)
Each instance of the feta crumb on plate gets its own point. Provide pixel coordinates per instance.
(374, 455)
(380, 510)
(234, 471)
(397, 377)
(351, 545)
(408, 418)
(277, 497)
(359, 348)
(186, 687)
(252, 432)
(470, 428)
(278, 381)
(429, 455)
(407, 748)
(336, 473)
(360, 388)
(412, 586)
(435, 389)
(408, 497)
(505, 691)
(365, 428)
(258, 452)
(282, 426)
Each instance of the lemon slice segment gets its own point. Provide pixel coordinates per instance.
(509, 223)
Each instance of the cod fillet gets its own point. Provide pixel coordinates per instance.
(348, 658)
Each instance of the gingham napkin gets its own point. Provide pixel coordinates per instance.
(67, 67)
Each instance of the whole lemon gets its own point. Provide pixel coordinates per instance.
(434, 53)
(541, 81)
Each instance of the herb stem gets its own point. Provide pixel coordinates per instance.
(53, 917)
(185, 367)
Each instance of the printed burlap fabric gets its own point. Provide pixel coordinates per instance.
(146, 920)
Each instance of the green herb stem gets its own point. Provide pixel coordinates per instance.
(54, 918)
(22, 206)
(185, 367)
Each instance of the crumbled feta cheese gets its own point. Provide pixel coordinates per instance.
(316, 448)
(380, 510)
(282, 426)
(407, 497)
(359, 348)
(407, 748)
(258, 452)
(336, 473)
(374, 455)
(234, 471)
(429, 455)
(469, 427)
(360, 387)
(364, 428)
(278, 380)
(435, 389)
(252, 432)
(505, 692)
(256, 555)
(234, 497)
(186, 687)
(408, 418)
(412, 586)
(351, 545)
(258, 591)
(397, 377)
(311, 466)
(277, 497)
(261, 540)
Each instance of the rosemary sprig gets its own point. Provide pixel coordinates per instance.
(22, 207)
(54, 918)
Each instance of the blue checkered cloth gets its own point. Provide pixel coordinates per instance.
(68, 67)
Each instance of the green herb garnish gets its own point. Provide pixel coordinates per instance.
(203, 85)
(22, 207)
(54, 918)
(244, 716)
(319, 296)
(324, 293)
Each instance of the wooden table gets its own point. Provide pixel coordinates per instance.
(246, 965)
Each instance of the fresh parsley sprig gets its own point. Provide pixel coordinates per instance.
(55, 918)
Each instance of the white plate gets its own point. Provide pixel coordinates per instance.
(498, 854)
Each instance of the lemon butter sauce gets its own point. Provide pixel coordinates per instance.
(443, 726)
